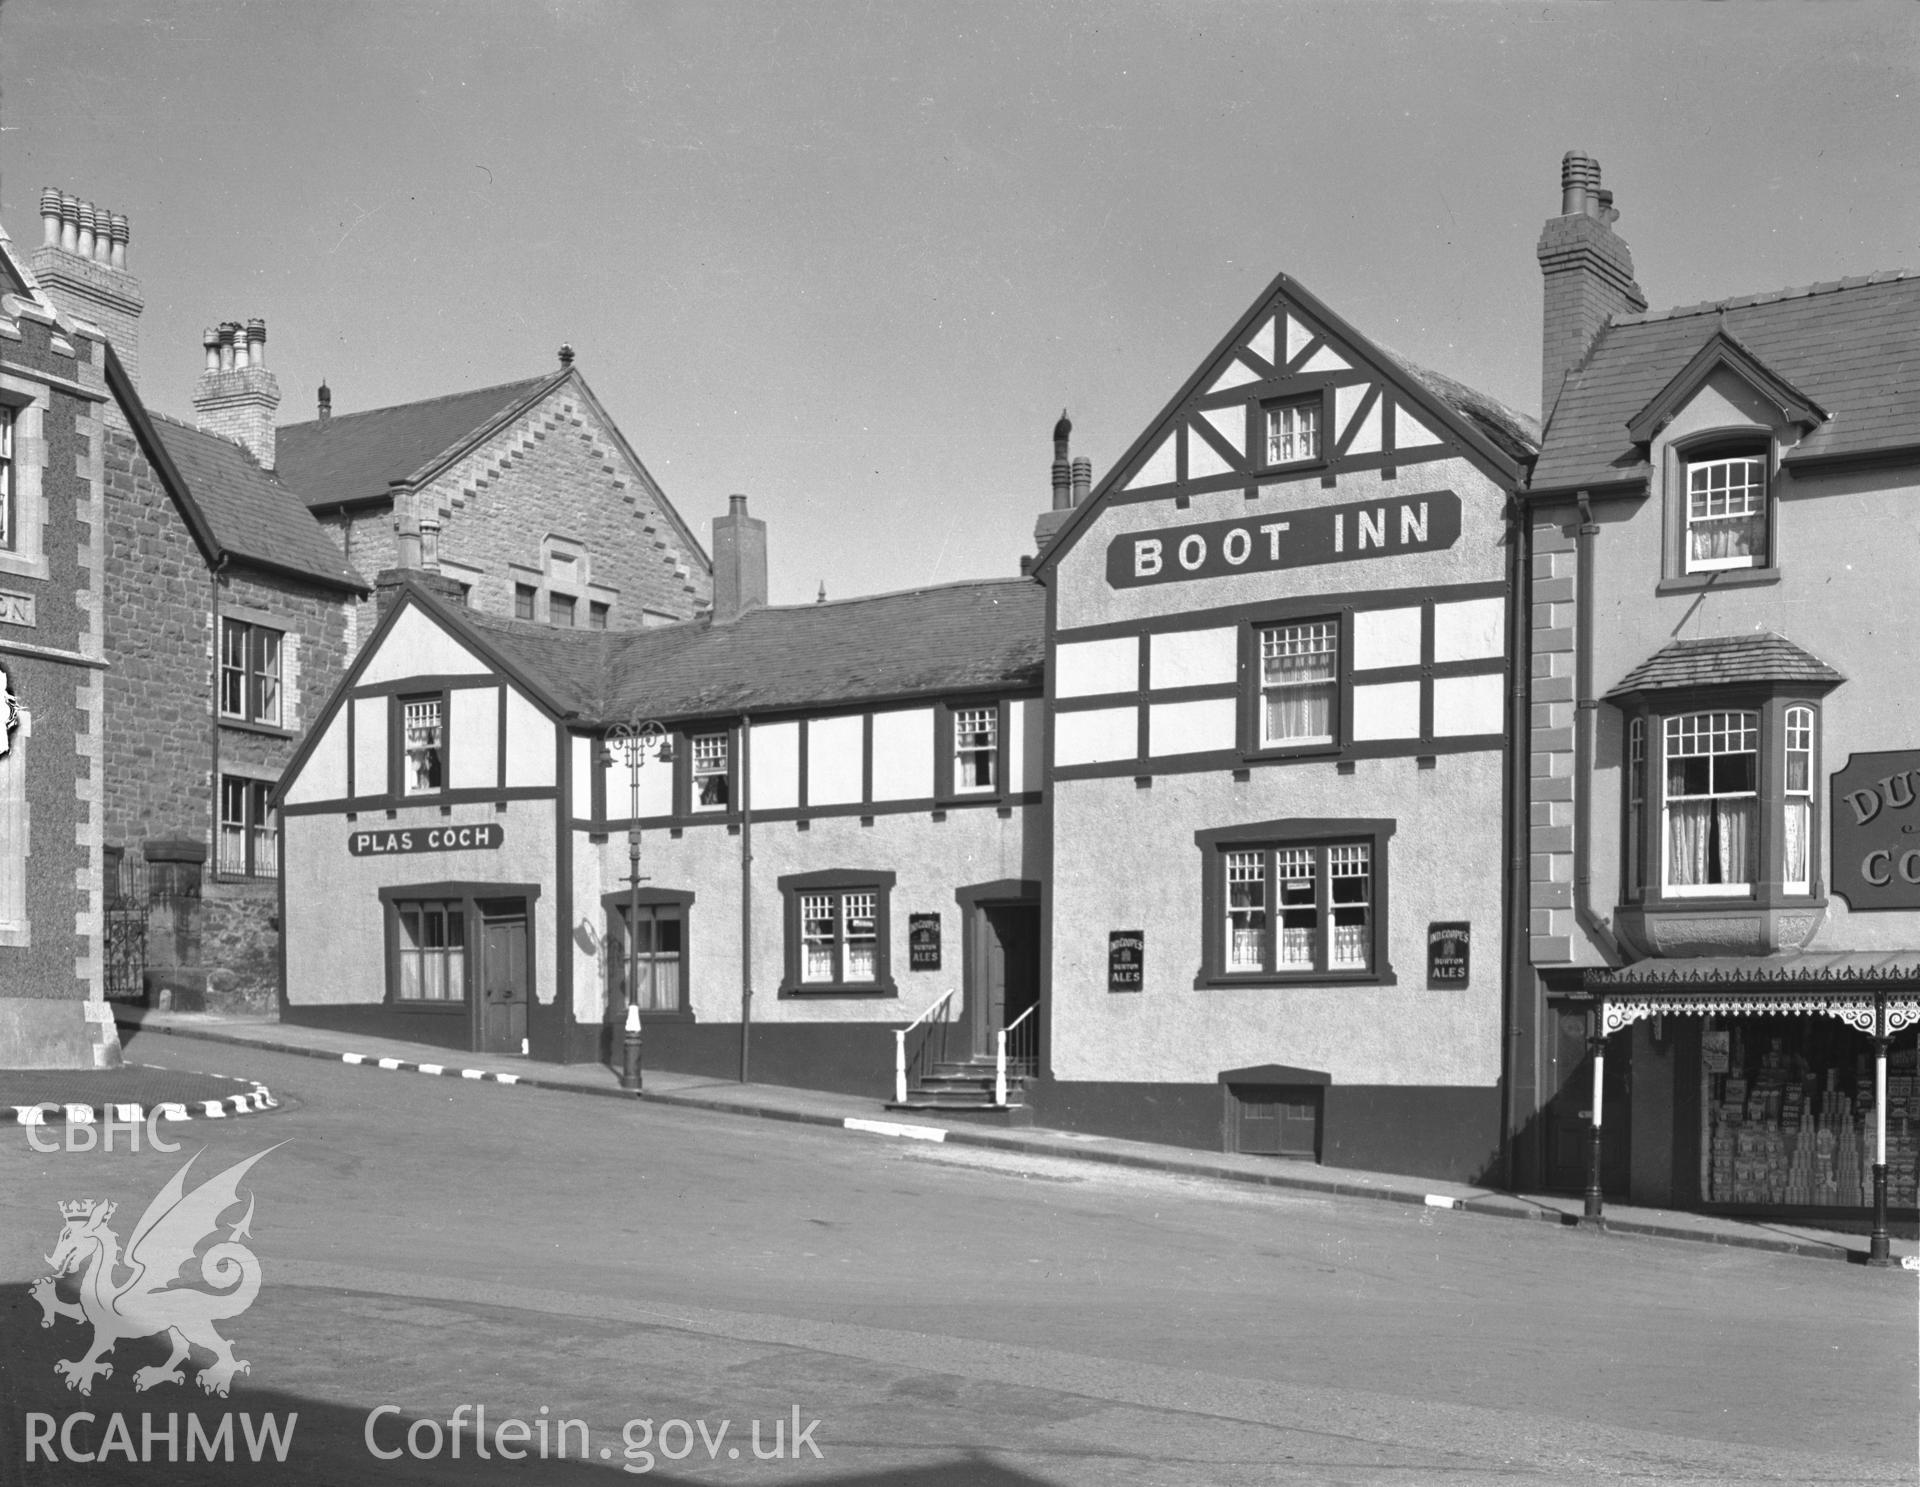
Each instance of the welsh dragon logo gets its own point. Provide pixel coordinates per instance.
(146, 1302)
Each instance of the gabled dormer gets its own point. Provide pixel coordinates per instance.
(1714, 436)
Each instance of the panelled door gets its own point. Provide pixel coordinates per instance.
(1569, 1106)
(503, 981)
(1006, 972)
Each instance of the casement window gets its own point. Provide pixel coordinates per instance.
(709, 783)
(1299, 683)
(250, 660)
(433, 950)
(523, 596)
(1295, 901)
(1711, 794)
(597, 614)
(1293, 431)
(1726, 513)
(976, 749)
(9, 521)
(423, 745)
(560, 608)
(249, 829)
(658, 952)
(838, 928)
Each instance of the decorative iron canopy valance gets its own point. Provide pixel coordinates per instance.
(1876, 992)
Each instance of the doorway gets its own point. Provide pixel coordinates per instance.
(1569, 1105)
(1006, 978)
(504, 978)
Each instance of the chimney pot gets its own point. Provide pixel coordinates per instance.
(326, 401)
(1082, 478)
(69, 221)
(256, 342)
(227, 338)
(83, 237)
(210, 339)
(566, 356)
(49, 217)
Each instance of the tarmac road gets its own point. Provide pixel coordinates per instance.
(948, 1316)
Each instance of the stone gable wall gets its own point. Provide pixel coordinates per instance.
(556, 471)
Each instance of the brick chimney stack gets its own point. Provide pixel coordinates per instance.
(1072, 481)
(82, 264)
(1589, 274)
(739, 562)
(236, 396)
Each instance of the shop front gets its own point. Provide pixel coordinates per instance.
(1786, 1086)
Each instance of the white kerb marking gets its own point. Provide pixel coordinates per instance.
(895, 1128)
(1438, 1200)
(389, 1063)
(472, 1074)
(431, 1068)
(353, 1058)
(173, 1110)
(508, 1078)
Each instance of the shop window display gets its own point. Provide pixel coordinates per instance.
(1788, 1115)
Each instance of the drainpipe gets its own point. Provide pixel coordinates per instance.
(219, 641)
(1585, 704)
(746, 896)
(1517, 769)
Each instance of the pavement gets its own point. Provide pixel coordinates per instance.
(866, 1117)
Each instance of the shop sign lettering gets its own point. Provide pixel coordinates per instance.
(401, 840)
(1449, 947)
(1126, 951)
(1875, 828)
(16, 609)
(1295, 539)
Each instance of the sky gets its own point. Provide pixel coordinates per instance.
(853, 259)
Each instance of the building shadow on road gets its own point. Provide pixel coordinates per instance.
(55, 1437)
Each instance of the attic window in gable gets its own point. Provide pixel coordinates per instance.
(1295, 431)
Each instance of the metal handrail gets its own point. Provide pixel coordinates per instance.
(1000, 1056)
(900, 1046)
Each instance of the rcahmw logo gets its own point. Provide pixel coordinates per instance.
(134, 1296)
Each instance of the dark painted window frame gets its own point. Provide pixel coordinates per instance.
(1251, 745)
(1258, 411)
(1709, 444)
(1318, 832)
(839, 880)
(470, 896)
(614, 905)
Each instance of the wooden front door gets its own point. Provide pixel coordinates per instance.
(1570, 1103)
(1006, 970)
(503, 981)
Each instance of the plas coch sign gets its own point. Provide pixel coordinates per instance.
(1876, 831)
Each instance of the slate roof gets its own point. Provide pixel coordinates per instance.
(1852, 345)
(356, 456)
(983, 634)
(1513, 432)
(1726, 660)
(250, 513)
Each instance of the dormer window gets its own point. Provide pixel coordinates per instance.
(1726, 517)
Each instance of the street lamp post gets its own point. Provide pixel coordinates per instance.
(634, 743)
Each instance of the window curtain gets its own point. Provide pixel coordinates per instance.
(1795, 865)
(1709, 841)
(1726, 537)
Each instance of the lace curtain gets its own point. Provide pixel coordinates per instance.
(1710, 841)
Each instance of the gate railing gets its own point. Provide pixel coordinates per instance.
(929, 1040)
(124, 926)
(1017, 1045)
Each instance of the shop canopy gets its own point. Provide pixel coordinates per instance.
(1877, 992)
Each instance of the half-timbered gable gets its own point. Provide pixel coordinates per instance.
(1277, 698)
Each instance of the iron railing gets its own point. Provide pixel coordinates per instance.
(930, 1042)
